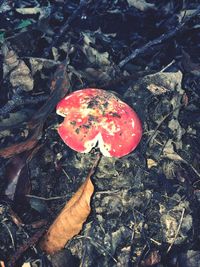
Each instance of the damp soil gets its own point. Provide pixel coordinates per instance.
(145, 208)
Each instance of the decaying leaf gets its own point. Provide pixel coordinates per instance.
(43, 11)
(17, 170)
(162, 82)
(70, 220)
(26, 145)
(59, 87)
(19, 73)
(93, 55)
(142, 5)
(156, 90)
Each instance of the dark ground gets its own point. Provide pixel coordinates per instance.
(146, 205)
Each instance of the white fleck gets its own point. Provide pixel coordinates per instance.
(68, 96)
(133, 123)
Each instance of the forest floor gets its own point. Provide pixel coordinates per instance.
(145, 208)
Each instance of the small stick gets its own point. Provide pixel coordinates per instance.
(18, 100)
(159, 40)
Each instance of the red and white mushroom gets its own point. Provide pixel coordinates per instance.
(97, 117)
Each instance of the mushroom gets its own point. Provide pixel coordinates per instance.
(97, 117)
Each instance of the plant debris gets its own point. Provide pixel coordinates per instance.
(143, 208)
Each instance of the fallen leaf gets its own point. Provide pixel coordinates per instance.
(70, 220)
(26, 145)
(142, 5)
(17, 170)
(59, 88)
(43, 11)
(93, 55)
(19, 73)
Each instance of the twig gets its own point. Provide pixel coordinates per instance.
(159, 40)
(19, 100)
(190, 165)
(178, 229)
(161, 122)
(168, 65)
(44, 198)
(97, 245)
(44, 60)
(10, 233)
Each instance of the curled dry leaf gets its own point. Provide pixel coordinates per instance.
(70, 220)
(19, 73)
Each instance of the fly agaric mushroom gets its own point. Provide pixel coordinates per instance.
(97, 117)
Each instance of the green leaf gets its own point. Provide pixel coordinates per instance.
(2, 37)
(24, 24)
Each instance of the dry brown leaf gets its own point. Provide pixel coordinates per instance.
(19, 73)
(70, 220)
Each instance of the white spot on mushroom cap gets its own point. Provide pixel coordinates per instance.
(133, 123)
(68, 96)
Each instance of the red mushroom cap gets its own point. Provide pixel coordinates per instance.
(95, 116)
